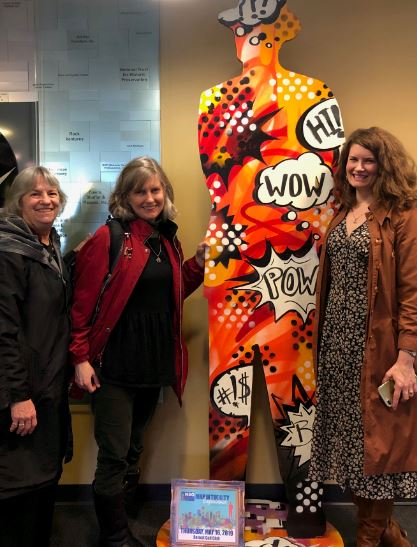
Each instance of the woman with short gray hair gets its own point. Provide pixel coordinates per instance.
(34, 335)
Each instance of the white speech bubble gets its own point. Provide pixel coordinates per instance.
(301, 183)
(322, 126)
(252, 12)
(289, 285)
(231, 392)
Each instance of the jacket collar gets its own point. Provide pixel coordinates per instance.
(143, 229)
(380, 213)
(16, 237)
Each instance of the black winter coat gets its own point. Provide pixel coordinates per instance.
(34, 336)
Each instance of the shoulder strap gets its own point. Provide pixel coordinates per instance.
(118, 231)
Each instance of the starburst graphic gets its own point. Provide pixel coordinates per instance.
(299, 433)
(288, 284)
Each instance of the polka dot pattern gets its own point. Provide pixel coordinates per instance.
(308, 497)
(292, 86)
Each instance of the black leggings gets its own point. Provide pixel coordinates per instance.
(121, 416)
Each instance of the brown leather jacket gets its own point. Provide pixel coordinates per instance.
(390, 436)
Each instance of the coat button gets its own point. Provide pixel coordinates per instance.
(371, 217)
(378, 240)
(107, 329)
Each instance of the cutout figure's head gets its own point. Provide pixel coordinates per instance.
(250, 13)
(260, 28)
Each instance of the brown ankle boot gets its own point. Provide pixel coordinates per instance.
(394, 536)
(373, 519)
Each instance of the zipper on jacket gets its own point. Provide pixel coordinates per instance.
(128, 251)
(180, 316)
(128, 246)
(100, 297)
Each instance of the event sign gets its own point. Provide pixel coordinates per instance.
(207, 512)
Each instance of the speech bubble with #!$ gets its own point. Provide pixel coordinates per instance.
(301, 183)
(231, 392)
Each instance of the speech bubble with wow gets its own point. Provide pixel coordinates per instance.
(301, 183)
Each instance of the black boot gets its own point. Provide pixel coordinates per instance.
(130, 489)
(306, 518)
(112, 519)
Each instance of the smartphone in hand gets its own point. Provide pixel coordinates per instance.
(386, 392)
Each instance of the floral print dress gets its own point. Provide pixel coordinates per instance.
(338, 439)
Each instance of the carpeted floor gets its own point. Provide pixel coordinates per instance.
(75, 524)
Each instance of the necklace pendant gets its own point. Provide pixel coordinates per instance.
(158, 259)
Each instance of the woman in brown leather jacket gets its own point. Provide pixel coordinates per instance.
(366, 334)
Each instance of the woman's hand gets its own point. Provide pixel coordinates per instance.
(201, 253)
(404, 376)
(86, 377)
(23, 417)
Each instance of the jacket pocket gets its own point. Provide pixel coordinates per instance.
(32, 364)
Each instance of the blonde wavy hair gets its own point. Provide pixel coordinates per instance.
(132, 177)
(396, 181)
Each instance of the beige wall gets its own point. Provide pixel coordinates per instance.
(367, 53)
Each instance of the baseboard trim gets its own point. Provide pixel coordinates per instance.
(81, 493)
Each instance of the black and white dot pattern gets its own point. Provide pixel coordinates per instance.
(308, 497)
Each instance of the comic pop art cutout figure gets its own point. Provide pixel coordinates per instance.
(269, 139)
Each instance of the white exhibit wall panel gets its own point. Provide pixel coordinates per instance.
(90, 71)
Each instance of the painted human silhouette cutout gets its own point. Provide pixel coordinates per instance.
(268, 141)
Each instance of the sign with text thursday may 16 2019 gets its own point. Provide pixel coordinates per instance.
(207, 512)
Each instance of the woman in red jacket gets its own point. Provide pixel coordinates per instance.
(126, 334)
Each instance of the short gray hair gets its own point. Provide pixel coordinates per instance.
(25, 182)
(133, 176)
